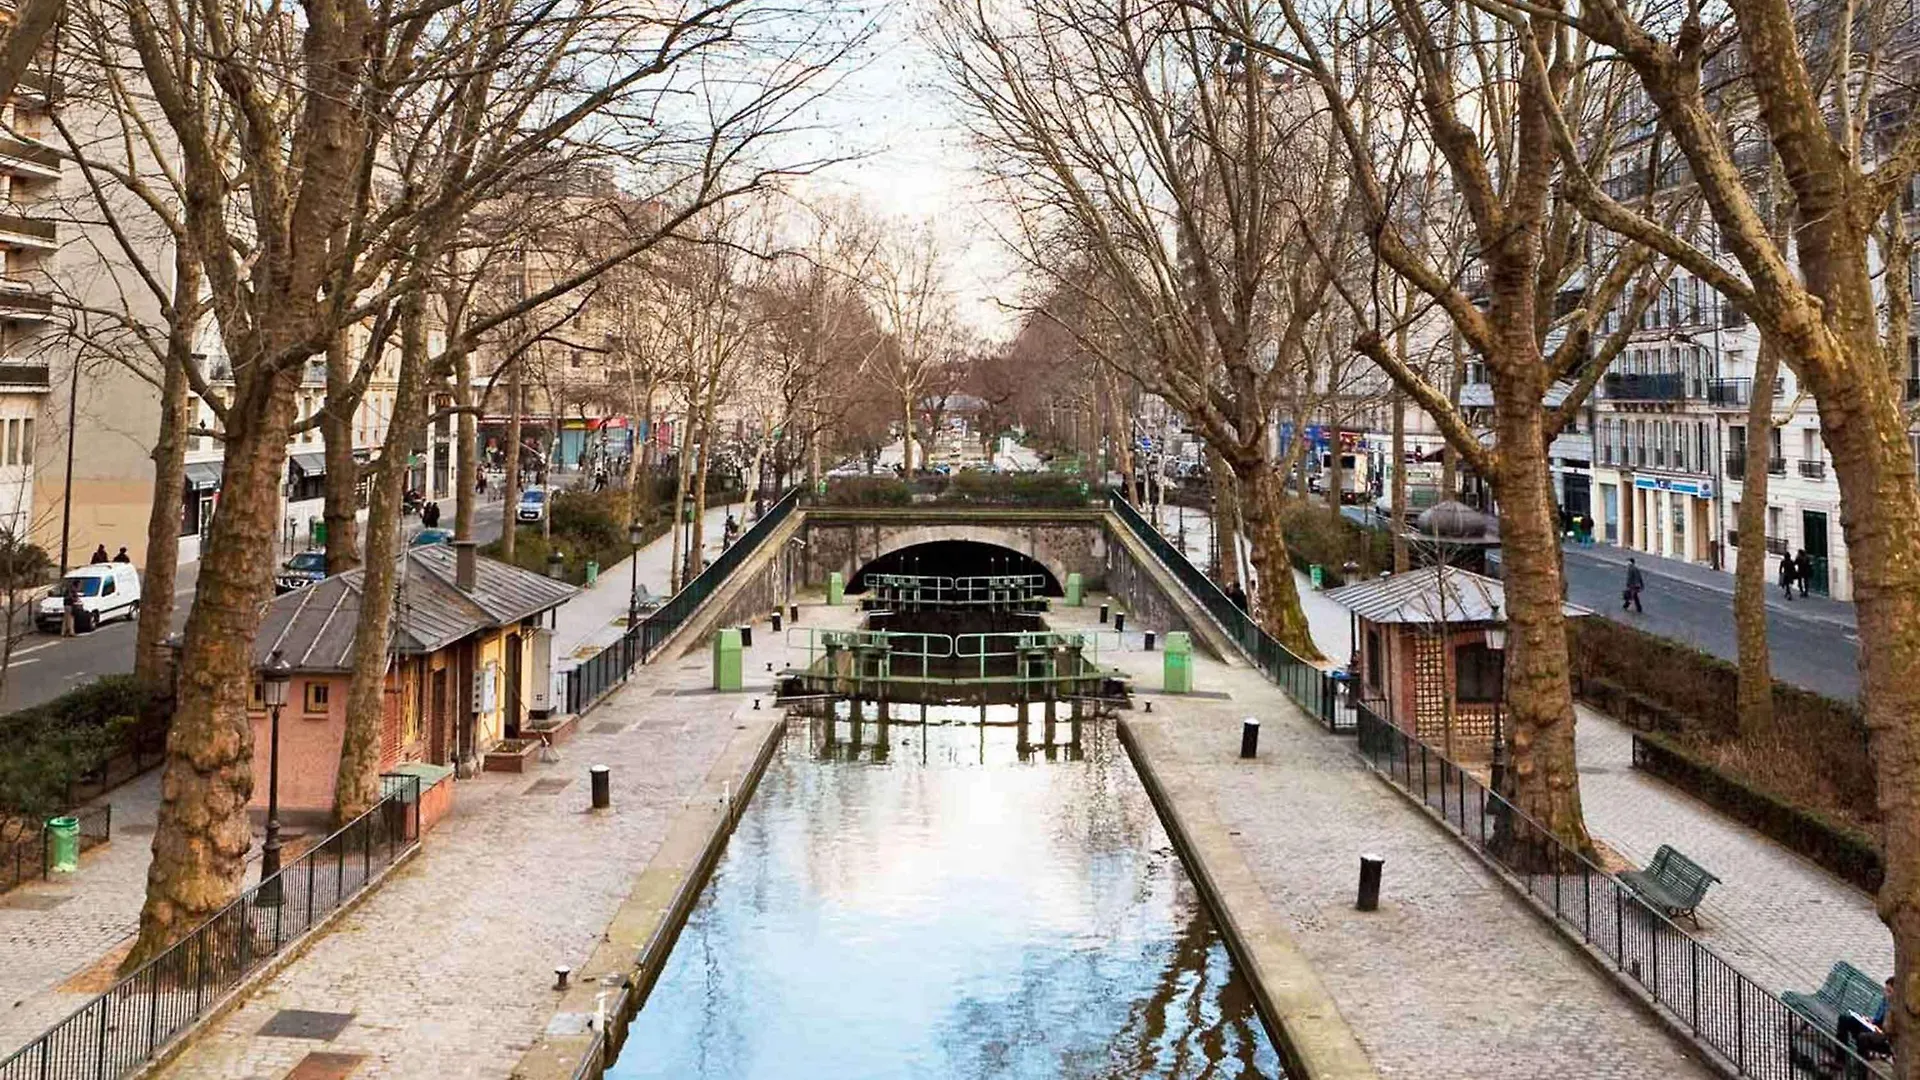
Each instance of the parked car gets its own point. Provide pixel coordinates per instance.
(301, 571)
(430, 537)
(105, 591)
(533, 505)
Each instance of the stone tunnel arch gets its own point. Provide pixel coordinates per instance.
(950, 551)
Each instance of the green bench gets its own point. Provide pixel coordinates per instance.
(1847, 990)
(1671, 882)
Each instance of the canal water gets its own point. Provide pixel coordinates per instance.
(929, 901)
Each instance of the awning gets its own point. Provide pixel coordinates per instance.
(204, 475)
(311, 464)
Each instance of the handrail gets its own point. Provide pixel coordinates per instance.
(121, 1030)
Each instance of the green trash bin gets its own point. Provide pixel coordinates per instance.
(316, 532)
(1319, 576)
(63, 844)
(1073, 590)
(593, 571)
(1177, 663)
(726, 659)
(836, 588)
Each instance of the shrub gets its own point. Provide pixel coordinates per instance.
(867, 491)
(54, 745)
(586, 526)
(1315, 536)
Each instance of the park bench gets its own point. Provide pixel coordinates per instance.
(1847, 990)
(1671, 882)
(645, 600)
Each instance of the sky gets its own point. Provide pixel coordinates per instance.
(915, 164)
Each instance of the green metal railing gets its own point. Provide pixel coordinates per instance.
(1035, 657)
(917, 592)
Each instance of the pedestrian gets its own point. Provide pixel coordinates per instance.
(100, 555)
(1238, 595)
(480, 484)
(1630, 596)
(1867, 1035)
(1803, 570)
(1787, 574)
(123, 556)
(430, 515)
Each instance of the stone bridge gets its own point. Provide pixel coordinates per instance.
(955, 541)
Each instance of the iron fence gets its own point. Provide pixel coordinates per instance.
(1310, 687)
(30, 858)
(122, 1029)
(597, 675)
(1727, 1013)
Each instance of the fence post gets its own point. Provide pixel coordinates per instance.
(1696, 985)
(153, 1008)
(1619, 931)
(100, 1048)
(339, 873)
(199, 970)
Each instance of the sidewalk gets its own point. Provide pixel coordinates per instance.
(598, 615)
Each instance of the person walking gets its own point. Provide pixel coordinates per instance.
(1787, 573)
(1237, 595)
(1803, 570)
(1630, 596)
(430, 515)
(100, 555)
(122, 556)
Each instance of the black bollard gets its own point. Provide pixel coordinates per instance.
(746, 635)
(602, 786)
(1148, 639)
(793, 614)
(1120, 622)
(1103, 613)
(1249, 737)
(1370, 867)
(776, 620)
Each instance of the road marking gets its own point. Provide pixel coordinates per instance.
(23, 663)
(35, 648)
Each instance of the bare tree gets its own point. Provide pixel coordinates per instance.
(908, 291)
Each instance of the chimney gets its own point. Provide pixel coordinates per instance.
(466, 566)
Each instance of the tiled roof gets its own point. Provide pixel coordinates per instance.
(314, 627)
(1430, 596)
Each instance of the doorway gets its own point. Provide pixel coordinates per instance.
(1813, 530)
(437, 725)
(513, 686)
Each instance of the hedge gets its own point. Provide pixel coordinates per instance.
(1844, 850)
(56, 747)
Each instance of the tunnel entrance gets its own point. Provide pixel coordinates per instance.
(955, 559)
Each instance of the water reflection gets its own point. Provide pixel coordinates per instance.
(935, 902)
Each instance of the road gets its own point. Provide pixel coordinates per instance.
(45, 666)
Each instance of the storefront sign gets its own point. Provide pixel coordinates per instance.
(1700, 489)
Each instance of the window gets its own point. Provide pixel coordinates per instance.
(106, 587)
(1376, 662)
(316, 696)
(1476, 673)
(259, 700)
(12, 442)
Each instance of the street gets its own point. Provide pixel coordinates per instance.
(45, 666)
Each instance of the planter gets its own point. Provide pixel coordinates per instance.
(557, 729)
(511, 755)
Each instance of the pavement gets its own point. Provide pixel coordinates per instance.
(598, 616)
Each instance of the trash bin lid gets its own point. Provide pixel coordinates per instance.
(63, 823)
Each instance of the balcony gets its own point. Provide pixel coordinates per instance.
(1913, 389)
(1813, 469)
(29, 159)
(1733, 538)
(1776, 545)
(1777, 466)
(26, 232)
(21, 301)
(1736, 466)
(1661, 386)
(15, 376)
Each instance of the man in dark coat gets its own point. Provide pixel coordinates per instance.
(1630, 596)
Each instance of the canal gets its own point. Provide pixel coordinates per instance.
(930, 901)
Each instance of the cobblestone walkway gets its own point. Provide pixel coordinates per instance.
(58, 939)
(1454, 976)
(1777, 917)
(447, 968)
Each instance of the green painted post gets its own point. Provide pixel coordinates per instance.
(1319, 576)
(1177, 663)
(726, 659)
(836, 588)
(1073, 590)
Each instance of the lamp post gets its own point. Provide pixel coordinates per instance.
(276, 678)
(557, 570)
(1502, 823)
(692, 537)
(635, 535)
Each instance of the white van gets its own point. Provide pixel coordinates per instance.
(105, 590)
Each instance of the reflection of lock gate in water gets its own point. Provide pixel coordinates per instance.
(984, 667)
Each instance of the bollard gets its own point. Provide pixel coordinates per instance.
(776, 620)
(1370, 867)
(1103, 613)
(1148, 640)
(746, 635)
(602, 786)
(1249, 737)
(793, 614)
(560, 977)
(1120, 622)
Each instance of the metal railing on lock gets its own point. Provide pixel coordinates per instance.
(909, 656)
(1723, 1010)
(1310, 687)
(916, 591)
(597, 675)
(129, 1025)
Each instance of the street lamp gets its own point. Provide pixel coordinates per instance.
(557, 570)
(692, 537)
(1497, 641)
(635, 536)
(276, 678)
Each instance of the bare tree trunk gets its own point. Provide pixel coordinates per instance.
(1226, 518)
(1538, 705)
(151, 664)
(357, 783)
(683, 476)
(467, 453)
(510, 486)
(1276, 602)
(201, 841)
(1750, 568)
(1401, 562)
(906, 438)
(697, 550)
(341, 510)
(1449, 457)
